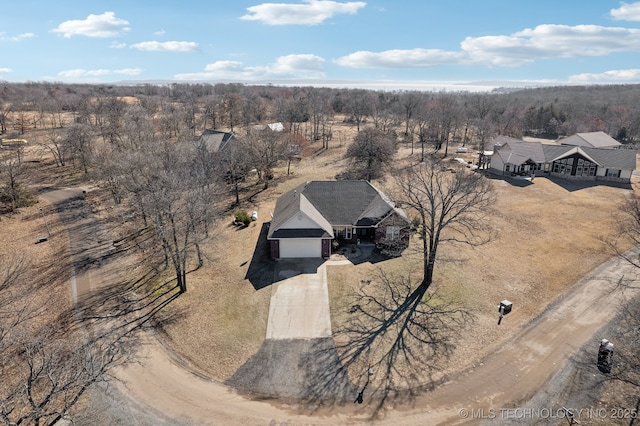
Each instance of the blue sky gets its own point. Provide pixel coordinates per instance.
(378, 43)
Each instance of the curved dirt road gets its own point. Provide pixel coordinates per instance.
(507, 378)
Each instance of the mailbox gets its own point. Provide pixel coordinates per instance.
(505, 307)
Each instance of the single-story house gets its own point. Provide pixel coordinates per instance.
(577, 162)
(307, 219)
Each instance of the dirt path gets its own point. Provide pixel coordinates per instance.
(507, 378)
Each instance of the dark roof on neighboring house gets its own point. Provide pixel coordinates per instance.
(214, 140)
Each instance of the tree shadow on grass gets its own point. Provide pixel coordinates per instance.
(291, 368)
(391, 344)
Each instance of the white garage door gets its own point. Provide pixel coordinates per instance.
(300, 247)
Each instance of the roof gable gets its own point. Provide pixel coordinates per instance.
(518, 152)
(294, 204)
(214, 140)
(329, 204)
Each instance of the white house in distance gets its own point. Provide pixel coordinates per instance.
(584, 156)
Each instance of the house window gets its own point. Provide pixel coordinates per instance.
(393, 232)
(347, 233)
(613, 172)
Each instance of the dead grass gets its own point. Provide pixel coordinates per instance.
(548, 237)
(46, 283)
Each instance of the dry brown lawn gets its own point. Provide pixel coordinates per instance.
(45, 285)
(548, 236)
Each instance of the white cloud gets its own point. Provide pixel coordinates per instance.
(626, 12)
(529, 45)
(551, 41)
(17, 38)
(166, 46)
(82, 73)
(159, 33)
(105, 25)
(413, 58)
(305, 66)
(613, 76)
(312, 12)
(5, 70)
(118, 45)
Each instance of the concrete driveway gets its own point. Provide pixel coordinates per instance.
(299, 301)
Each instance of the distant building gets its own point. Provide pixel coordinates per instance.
(591, 140)
(214, 140)
(584, 156)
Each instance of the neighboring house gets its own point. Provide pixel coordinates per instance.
(307, 218)
(274, 127)
(576, 162)
(591, 140)
(214, 140)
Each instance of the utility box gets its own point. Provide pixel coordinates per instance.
(505, 307)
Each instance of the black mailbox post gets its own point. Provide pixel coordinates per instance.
(504, 308)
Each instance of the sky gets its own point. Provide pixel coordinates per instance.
(378, 44)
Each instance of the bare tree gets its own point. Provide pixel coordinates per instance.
(5, 110)
(359, 105)
(371, 153)
(12, 193)
(55, 144)
(233, 164)
(410, 102)
(451, 204)
(79, 138)
(265, 148)
(232, 106)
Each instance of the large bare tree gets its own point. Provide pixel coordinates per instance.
(451, 204)
(371, 153)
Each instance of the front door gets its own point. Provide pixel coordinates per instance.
(326, 248)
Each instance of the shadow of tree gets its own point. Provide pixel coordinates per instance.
(391, 343)
(307, 369)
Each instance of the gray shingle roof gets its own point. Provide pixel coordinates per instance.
(341, 202)
(591, 140)
(517, 152)
(214, 140)
(328, 203)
